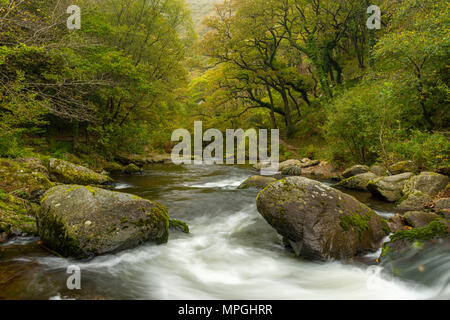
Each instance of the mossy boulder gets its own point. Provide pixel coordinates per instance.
(16, 215)
(427, 182)
(389, 188)
(320, 222)
(23, 180)
(357, 182)
(81, 221)
(256, 182)
(353, 171)
(113, 167)
(407, 240)
(402, 167)
(69, 173)
(132, 168)
(418, 191)
(420, 219)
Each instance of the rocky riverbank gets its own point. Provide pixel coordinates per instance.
(317, 223)
(73, 211)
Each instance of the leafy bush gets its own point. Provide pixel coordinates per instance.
(428, 151)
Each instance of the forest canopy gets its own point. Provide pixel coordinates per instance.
(137, 70)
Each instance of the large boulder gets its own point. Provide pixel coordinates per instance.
(353, 171)
(357, 182)
(389, 188)
(427, 182)
(417, 192)
(256, 182)
(69, 173)
(24, 180)
(320, 222)
(83, 221)
(402, 167)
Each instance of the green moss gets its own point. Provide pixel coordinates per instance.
(435, 229)
(359, 222)
(180, 225)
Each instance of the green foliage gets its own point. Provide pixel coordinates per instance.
(430, 151)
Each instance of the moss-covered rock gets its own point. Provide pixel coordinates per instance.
(16, 215)
(402, 167)
(379, 170)
(406, 240)
(357, 182)
(179, 225)
(353, 171)
(420, 219)
(389, 188)
(23, 180)
(113, 167)
(320, 222)
(419, 190)
(82, 221)
(322, 171)
(69, 173)
(256, 182)
(132, 168)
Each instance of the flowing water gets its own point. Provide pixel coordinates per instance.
(231, 253)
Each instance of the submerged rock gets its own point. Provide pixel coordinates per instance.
(84, 221)
(320, 222)
(357, 182)
(389, 188)
(69, 173)
(353, 171)
(258, 182)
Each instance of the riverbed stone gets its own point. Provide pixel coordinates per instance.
(403, 167)
(82, 221)
(132, 168)
(420, 219)
(292, 171)
(322, 171)
(419, 190)
(353, 171)
(397, 223)
(69, 173)
(320, 222)
(289, 163)
(256, 182)
(379, 170)
(427, 182)
(16, 215)
(358, 182)
(411, 242)
(389, 188)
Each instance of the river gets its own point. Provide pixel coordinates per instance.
(231, 253)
